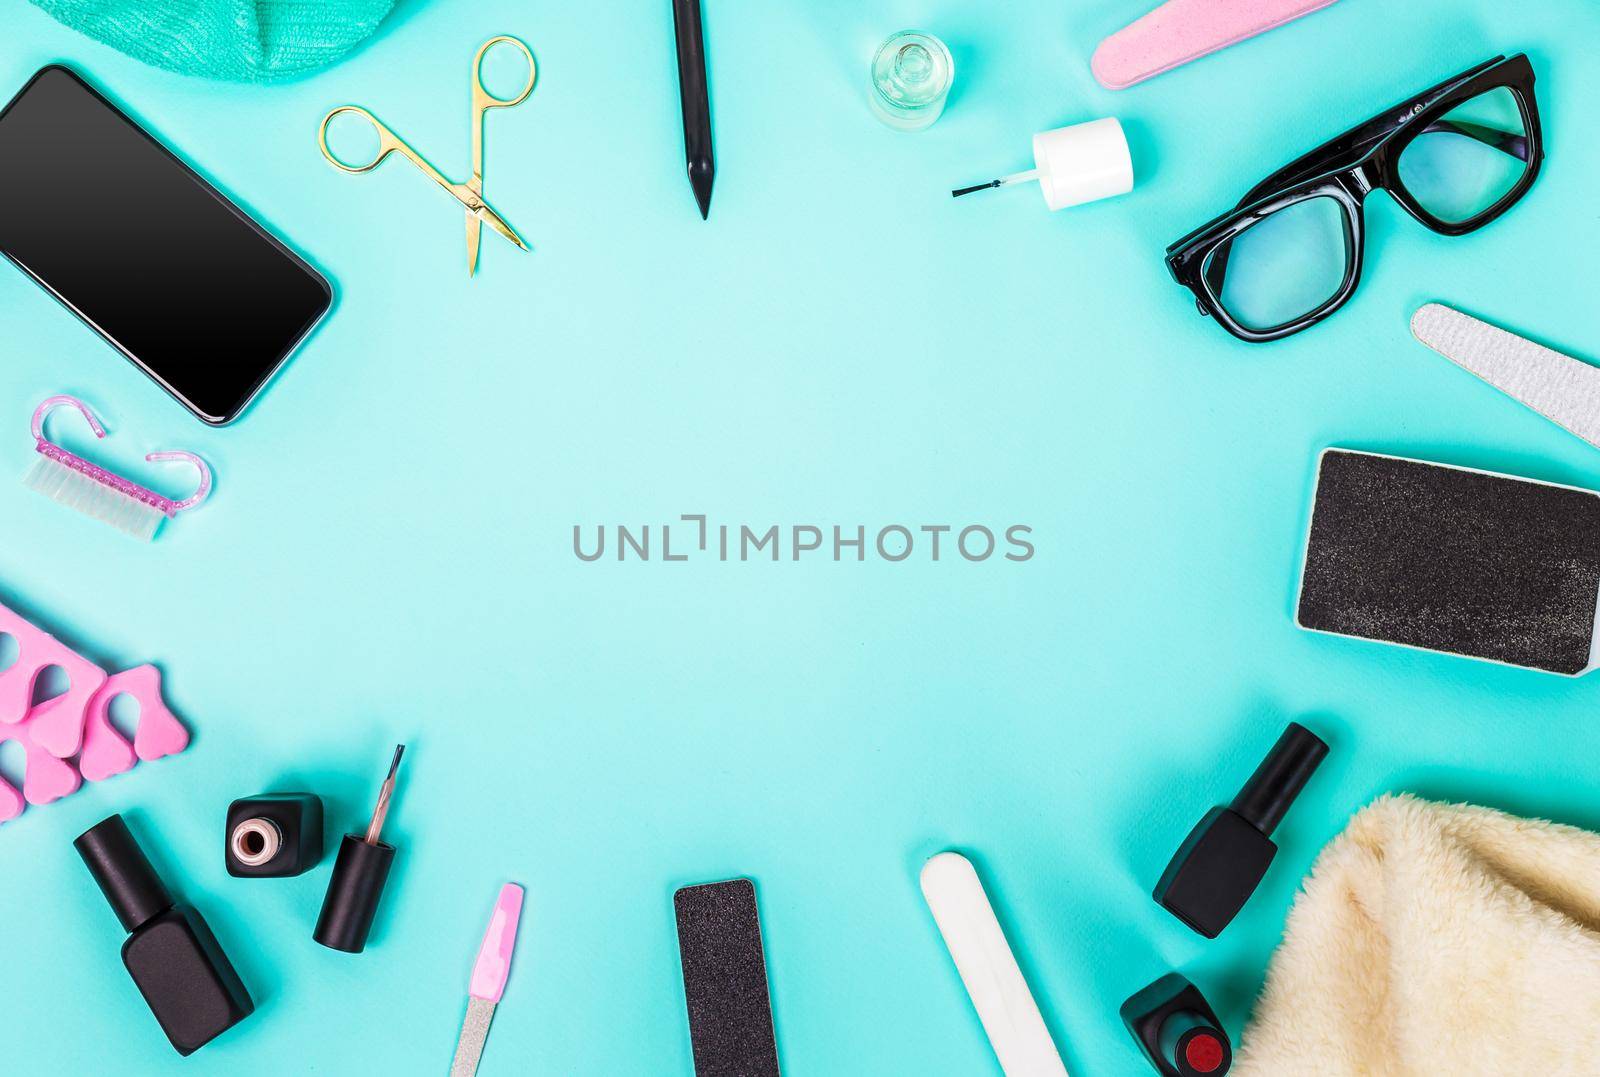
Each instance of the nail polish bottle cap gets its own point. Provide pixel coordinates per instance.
(348, 909)
(124, 873)
(1267, 796)
(1083, 163)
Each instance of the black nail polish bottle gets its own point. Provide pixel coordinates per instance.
(174, 959)
(1177, 1029)
(273, 835)
(1223, 859)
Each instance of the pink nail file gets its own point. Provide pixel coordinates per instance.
(488, 980)
(1182, 30)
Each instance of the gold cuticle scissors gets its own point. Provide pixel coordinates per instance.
(470, 193)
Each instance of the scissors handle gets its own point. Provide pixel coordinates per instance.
(388, 142)
(481, 97)
(483, 100)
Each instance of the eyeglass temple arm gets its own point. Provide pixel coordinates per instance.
(1506, 142)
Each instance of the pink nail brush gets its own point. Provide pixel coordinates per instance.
(1182, 30)
(124, 504)
(488, 980)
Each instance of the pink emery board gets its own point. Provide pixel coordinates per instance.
(1182, 30)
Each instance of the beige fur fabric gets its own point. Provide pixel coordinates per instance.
(1437, 939)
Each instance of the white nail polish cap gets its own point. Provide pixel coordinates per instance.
(1073, 165)
(1083, 163)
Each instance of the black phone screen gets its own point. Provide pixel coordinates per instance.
(146, 252)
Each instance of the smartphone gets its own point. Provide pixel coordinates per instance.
(153, 258)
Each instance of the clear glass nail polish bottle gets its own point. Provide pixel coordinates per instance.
(911, 77)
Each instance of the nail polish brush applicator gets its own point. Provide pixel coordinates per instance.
(1224, 858)
(1073, 165)
(359, 873)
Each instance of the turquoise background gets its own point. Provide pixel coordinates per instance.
(388, 553)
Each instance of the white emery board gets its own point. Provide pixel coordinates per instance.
(1562, 389)
(1010, 1017)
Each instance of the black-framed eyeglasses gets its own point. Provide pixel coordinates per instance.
(1289, 254)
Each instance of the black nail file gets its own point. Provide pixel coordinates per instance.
(1450, 559)
(725, 980)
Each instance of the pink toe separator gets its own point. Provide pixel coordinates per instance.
(159, 732)
(60, 729)
(11, 802)
(77, 722)
(44, 777)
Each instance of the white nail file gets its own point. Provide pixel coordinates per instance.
(1010, 1017)
(1562, 389)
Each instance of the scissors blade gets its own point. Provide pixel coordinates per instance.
(474, 233)
(498, 223)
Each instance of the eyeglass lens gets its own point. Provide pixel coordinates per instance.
(1466, 161)
(1283, 267)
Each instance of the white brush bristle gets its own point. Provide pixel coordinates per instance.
(76, 490)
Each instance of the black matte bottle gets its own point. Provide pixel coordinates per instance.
(1227, 854)
(174, 959)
